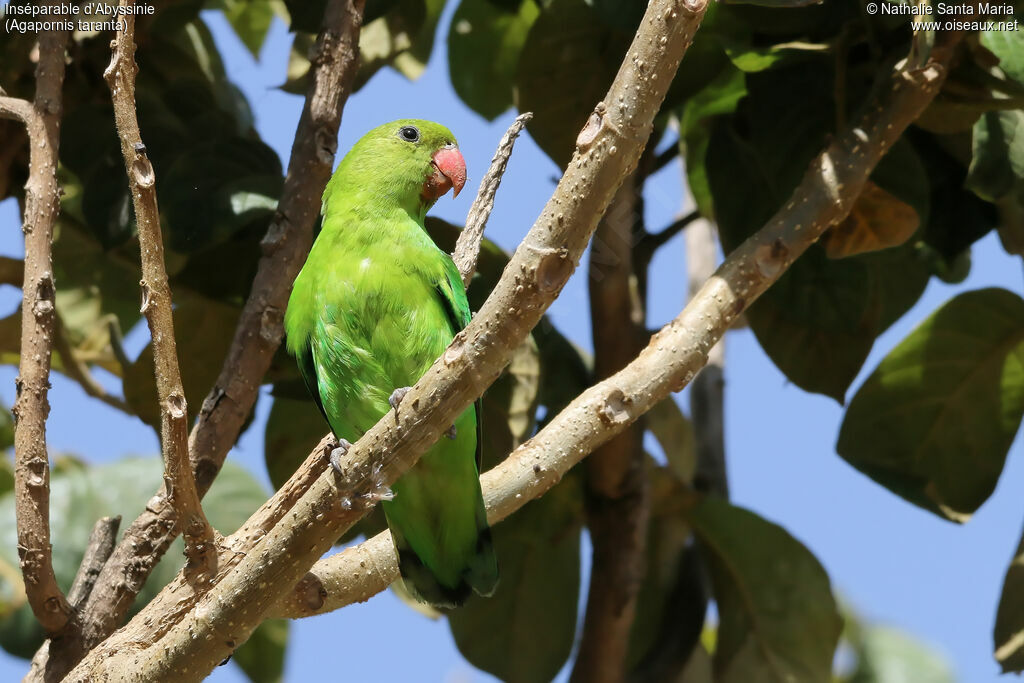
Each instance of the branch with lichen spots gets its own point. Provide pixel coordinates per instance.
(38, 310)
(467, 247)
(179, 483)
(208, 627)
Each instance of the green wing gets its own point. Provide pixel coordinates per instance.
(457, 308)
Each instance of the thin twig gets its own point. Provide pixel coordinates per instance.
(674, 354)
(76, 369)
(97, 551)
(467, 248)
(169, 636)
(157, 306)
(31, 408)
(259, 330)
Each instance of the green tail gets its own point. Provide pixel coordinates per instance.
(439, 525)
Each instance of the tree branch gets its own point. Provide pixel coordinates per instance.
(97, 551)
(617, 500)
(707, 393)
(31, 408)
(259, 329)
(179, 483)
(467, 247)
(204, 629)
(675, 353)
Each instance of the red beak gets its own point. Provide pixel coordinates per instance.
(449, 173)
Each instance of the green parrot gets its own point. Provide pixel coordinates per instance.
(372, 308)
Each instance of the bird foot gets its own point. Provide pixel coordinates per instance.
(397, 396)
(451, 433)
(337, 453)
(382, 492)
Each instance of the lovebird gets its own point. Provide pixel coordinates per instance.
(372, 308)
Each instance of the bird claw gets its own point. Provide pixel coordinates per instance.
(396, 397)
(380, 493)
(337, 453)
(451, 433)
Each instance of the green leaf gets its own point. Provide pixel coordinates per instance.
(674, 433)
(214, 190)
(886, 655)
(484, 45)
(1009, 649)
(525, 631)
(934, 421)
(6, 474)
(672, 601)
(251, 20)
(958, 217)
(568, 61)
(997, 165)
(79, 496)
(262, 656)
(202, 356)
(1008, 46)
(779, 621)
(819, 322)
(6, 430)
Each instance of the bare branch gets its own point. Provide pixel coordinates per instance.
(31, 408)
(205, 628)
(675, 353)
(97, 551)
(179, 483)
(707, 394)
(617, 500)
(467, 248)
(259, 328)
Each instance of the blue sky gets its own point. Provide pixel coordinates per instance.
(893, 563)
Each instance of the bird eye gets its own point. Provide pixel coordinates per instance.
(409, 133)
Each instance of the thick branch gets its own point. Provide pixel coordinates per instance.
(259, 328)
(607, 150)
(673, 356)
(467, 248)
(42, 204)
(617, 506)
(179, 483)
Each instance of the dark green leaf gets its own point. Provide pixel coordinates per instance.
(525, 631)
(294, 428)
(484, 45)
(934, 421)
(672, 601)
(623, 15)
(251, 20)
(262, 656)
(778, 619)
(82, 494)
(957, 217)
(1008, 46)
(202, 355)
(214, 190)
(1009, 650)
(6, 431)
(568, 62)
(819, 322)
(6, 474)
(997, 166)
